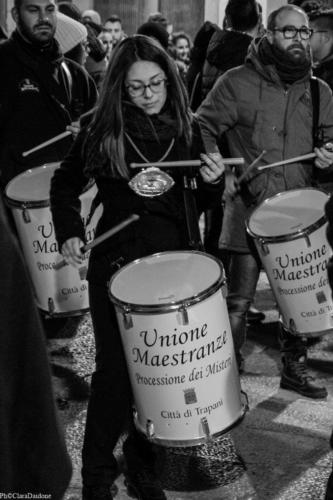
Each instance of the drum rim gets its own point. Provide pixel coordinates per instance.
(288, 236)
(130, 307)
(183, 443)
(11, 202)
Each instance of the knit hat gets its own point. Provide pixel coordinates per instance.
(69, 32)
(94, 16)
(70, 10)
(155, 30)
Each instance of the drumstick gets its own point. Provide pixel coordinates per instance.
(291, 160)
(101, 238)
(185, 163)
(55, 138)
(242, 177)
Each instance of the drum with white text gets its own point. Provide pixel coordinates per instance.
(177, 340)
(58, 292)
(289, 230)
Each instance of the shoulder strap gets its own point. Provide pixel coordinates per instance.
(314, 86)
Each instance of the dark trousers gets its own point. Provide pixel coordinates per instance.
(244, 270)
(110, 403)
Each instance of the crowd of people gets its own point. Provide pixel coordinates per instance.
(153, 96)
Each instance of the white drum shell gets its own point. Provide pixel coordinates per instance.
(296, 266)
(184, 377)
(58, 292)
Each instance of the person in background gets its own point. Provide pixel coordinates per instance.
(70, 10)
(227, 49)
(72, 38)
(322, 44)
(156, 31)
(142, 116)
(92, 16)
(180, 49)
(33, 455)
(96, 62)
(182, 43)
(158, 17)
(321, 21)
(113, 26)
(265, 104)
(41, 93)
(106, 38)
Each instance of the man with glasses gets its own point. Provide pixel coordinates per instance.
(266, 105)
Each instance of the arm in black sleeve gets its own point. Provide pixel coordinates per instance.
(67, 185)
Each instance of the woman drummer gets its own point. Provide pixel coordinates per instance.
(142, 116)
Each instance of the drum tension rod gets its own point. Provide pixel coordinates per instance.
(205, 427)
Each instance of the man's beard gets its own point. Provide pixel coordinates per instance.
(32, 37)
(300, 56)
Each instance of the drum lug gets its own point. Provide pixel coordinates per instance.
(26, 215)
(263, 246)
(150, 429)
(51, 307)
(83, 272)
(183, 315)
(127, 319)
(224, 290)
(205, 427)
(307, 239)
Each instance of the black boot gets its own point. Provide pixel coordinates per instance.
(295, 377)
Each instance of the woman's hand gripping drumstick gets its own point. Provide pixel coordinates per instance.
(74, 249)
(72, 129)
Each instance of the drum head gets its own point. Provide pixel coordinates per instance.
(288, 213)
(33, 185)
(166, 278)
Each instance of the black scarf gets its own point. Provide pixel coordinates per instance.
(288, 69)
(147, 127)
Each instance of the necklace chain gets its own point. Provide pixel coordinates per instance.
(134, 146)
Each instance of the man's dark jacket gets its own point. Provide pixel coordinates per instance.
(39, 97)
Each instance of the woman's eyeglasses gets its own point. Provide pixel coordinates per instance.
(290, 32)
(139, 89)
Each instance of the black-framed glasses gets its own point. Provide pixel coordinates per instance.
(290, 32)
(138, 89)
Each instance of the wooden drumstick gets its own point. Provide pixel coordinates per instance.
(101, 238)
(185, 163)
(55, 138)
(242, 177)
(308, 156)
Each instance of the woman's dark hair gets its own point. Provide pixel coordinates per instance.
(105, 139)
(242, 15)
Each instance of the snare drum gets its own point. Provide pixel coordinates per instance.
(177, 340)
(62, 292)
(289, 231)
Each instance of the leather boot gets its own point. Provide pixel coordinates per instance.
(294, 373)
(295, 377)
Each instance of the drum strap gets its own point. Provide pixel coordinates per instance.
(314, 86)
